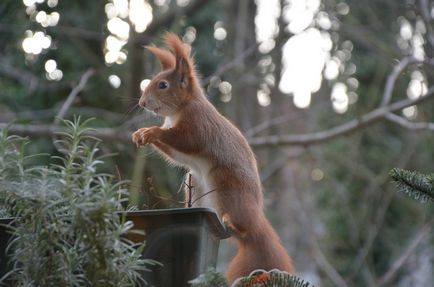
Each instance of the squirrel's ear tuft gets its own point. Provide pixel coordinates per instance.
(184, 66)
(166, 58)
(179, 49)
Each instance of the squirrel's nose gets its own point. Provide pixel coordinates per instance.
(142, 103)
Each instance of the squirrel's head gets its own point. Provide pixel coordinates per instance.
(174, 86)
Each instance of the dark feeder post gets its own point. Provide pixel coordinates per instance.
(184, 240)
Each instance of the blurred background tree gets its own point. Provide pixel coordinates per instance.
(331, 94)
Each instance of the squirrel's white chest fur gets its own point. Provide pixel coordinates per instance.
(168, 122)
(199, 168)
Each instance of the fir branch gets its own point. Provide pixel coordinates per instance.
(275, 277)
(258, 278)
(417, 185)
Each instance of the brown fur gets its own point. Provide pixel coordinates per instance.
(167, 60)
(217, 155)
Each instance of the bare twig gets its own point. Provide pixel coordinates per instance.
(403, 122)
(155, 194)
(71, 31)
(393, 76)
(307, 223)
(68, 102)
(404, 256)
(232, 64)
(327, 267)
(190, 187)
(30, 81)
(40, 130)
(114, 134)
(375, 183)
(46, 114)
(275, 166)
(344, 129)
(372, 234)
(73, 94)
(25, 78)
(203, 195)
(425, 12)
(270, 123)
(301, 139)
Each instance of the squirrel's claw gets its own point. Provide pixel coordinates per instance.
(136, 139)
(144, 136)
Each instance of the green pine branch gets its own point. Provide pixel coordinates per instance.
(272, 278)
(417, 185)
(258, 278)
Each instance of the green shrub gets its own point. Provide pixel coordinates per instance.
(66, 228)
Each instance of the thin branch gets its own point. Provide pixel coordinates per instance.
(28, 80)
(25, 78)
(327, 267)
(71, 31)
(39, 130)
(343, 129)
(190, 187)
(425, 12)
(45, 114)
(405, 255)
(282, 161)
(73, 94)
(375, 183)
(203, 195)
(232, 64)
(270, 123)
(393, 76)
(382, 112)
(312, 239)
(117, 134)
(372, 234)
(403, 122)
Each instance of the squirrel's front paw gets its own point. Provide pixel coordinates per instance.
(145, 136)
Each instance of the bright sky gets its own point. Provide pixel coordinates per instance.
(307, 55)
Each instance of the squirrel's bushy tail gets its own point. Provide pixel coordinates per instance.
(259, 248)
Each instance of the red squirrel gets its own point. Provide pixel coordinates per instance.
(197, 137)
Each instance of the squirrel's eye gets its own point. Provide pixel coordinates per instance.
(163, 85)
